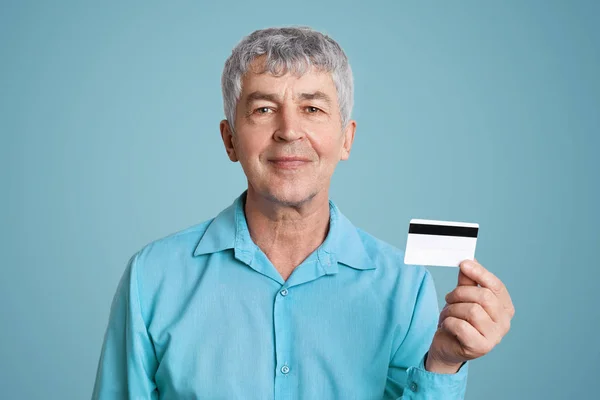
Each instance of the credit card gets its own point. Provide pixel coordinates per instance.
(440, 243)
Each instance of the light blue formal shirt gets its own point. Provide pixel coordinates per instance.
(204, 314)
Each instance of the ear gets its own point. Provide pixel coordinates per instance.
(348, 139)
(227, 136)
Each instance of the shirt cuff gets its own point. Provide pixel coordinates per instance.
(423, 384)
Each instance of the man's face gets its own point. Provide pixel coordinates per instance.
(288, 134)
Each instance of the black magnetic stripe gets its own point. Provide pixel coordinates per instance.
(443, 230)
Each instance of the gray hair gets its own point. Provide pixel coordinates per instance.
(290, 49)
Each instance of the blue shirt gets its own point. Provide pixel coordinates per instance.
(204, 314)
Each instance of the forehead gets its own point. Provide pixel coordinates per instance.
(312, 80)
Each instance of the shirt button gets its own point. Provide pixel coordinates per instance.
(413, 387)
(285, 369)
(284, 292)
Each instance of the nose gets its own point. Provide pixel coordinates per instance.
(289, 126)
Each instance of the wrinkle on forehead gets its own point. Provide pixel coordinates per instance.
(319, 85)
(275, 98)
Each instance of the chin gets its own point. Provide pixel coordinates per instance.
(291, 196)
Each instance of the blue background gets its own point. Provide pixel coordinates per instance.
(471, 111)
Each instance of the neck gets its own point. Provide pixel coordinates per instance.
(287, 234)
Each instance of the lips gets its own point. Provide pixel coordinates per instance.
(289, 162)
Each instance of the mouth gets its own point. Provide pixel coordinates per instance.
(289, 162)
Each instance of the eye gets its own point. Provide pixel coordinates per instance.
(312, 110)
(262, 110)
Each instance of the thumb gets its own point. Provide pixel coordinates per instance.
(464, 280)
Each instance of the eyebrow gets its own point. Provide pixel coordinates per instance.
(318, 95)
(257, 95)
(254, 96)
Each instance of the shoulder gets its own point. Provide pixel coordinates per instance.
(177, 244)
(155, 259)
(383, 253)
(162, 263)
(390, 267)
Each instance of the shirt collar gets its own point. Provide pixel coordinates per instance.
(229, 230)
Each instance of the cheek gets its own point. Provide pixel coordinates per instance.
(328, 147)
(248, 151)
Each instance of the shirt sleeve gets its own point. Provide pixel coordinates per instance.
(127, 360)
(407, 377)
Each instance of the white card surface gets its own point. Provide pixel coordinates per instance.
(440, 243)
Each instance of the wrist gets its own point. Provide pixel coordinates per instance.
(432, 364)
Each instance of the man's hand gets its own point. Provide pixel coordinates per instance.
(474, 320)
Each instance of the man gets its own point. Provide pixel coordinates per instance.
(280, 296)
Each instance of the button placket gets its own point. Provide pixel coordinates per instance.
(281, 319)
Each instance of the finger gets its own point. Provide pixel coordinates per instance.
(482, 296)
(464, 280)
(470, 339)
(475, 315)
(485, 278)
